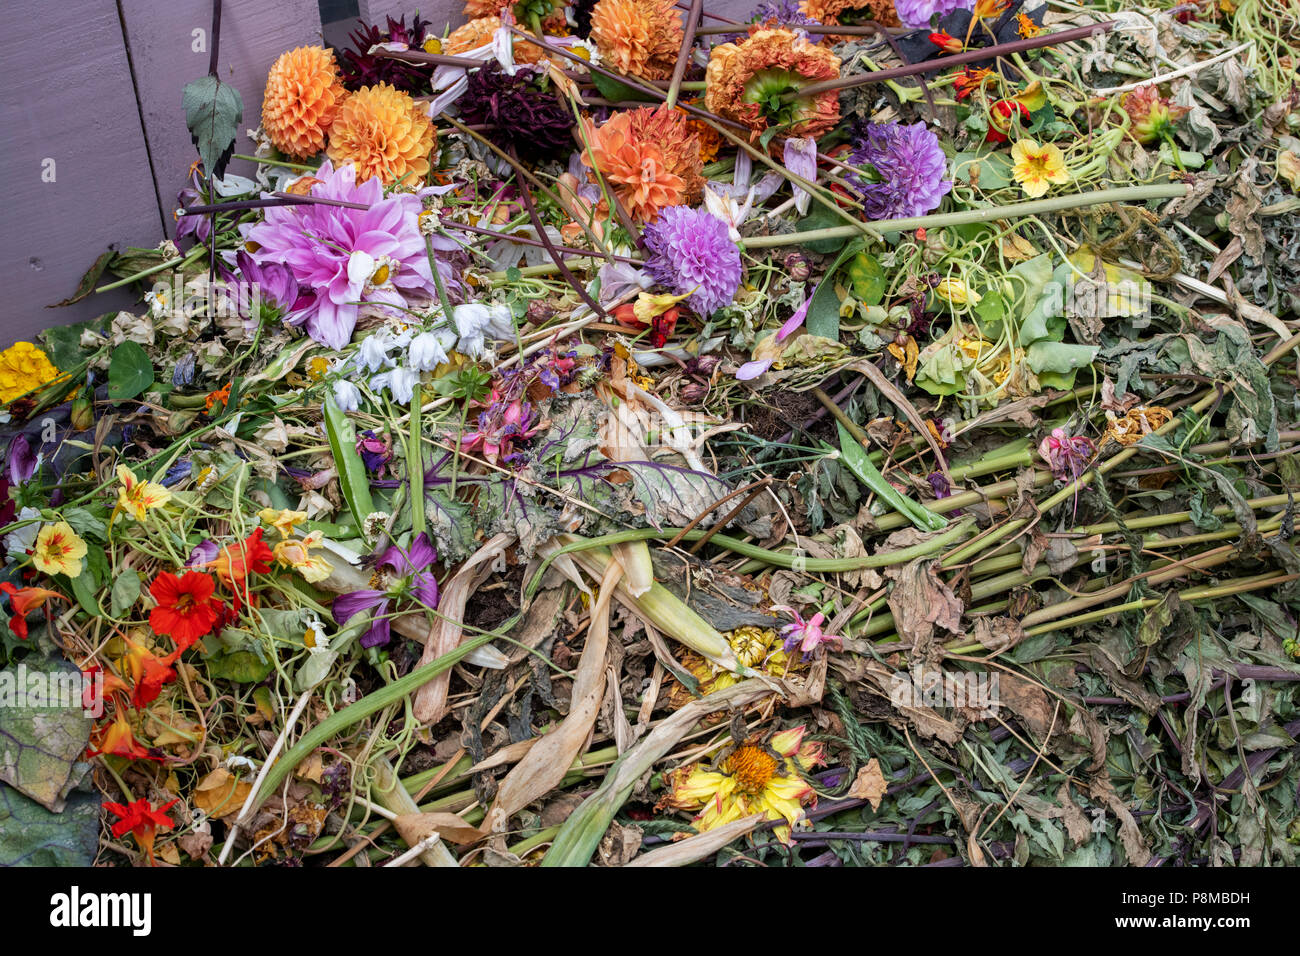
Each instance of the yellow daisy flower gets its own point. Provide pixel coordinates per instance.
(1036, 166)
(58, 550)
(755, 777)
(137, 497)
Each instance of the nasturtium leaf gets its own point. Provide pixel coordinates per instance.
(41, 744)
(213, 112)
(125, 592)
(31, 835)
(130, 371)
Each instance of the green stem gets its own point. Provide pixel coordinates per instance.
(983, 214)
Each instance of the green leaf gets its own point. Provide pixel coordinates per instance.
(824, 309)
(353, 481)
(88, 281)
(213, 112)
(855, 457)
(868, 279)
(84, 588)
(822, 217)
(30, 835)
(129, 371)
(42, 743)
(612, 89)
(126, 591)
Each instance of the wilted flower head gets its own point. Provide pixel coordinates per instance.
(785, 12)
(649, 157)
(344, 256)
(1153, 115)
(399, 573)
(746, 80)
(837, 12)
(476, 323)
(519, 115)
(905, 170)
(1067, 456)
(807, 635)
(363, 68)
(691, 253)
(638, 37)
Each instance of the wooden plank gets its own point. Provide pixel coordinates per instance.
(79, 113)
(166, 53)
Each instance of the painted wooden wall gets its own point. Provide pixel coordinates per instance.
(96, 145)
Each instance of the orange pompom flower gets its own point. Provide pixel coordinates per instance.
(747, 81)
(384, 133)
(303, 94)
(650, 158)
(638, 37)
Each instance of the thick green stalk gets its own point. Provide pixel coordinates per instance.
(1036, 207)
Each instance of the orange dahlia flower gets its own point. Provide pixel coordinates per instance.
(384, 133)
(553, 23)
(638, 37)
(650, 158)
(303, 94)
(831, 12)
(477, 33)
(743, 78)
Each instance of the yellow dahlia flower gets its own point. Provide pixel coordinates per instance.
(649, 157)
(638, 37)
(384, 133)
(24, 368)
(755, 777)
(743, 78)
(303, 93)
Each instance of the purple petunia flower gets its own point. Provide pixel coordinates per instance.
(917, 13)
(907, 169)
(344, 257)
(691, 252)
(414, 579)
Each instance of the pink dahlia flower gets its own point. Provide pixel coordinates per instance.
(343, 258)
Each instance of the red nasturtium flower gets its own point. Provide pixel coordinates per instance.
(1001, 117)
(22, 601)
(186, 610)
(149, 673)
(142, 821)
(235, 562)
(946, 42)
(117, 739)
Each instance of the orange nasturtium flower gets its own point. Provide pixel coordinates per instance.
(141, 821)
(235, 562)
(118, 740)
(297, 553)
(22, 601)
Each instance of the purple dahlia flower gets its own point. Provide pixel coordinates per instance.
(342, 257)
(917, 13)
(691, 252)
(906, 170)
